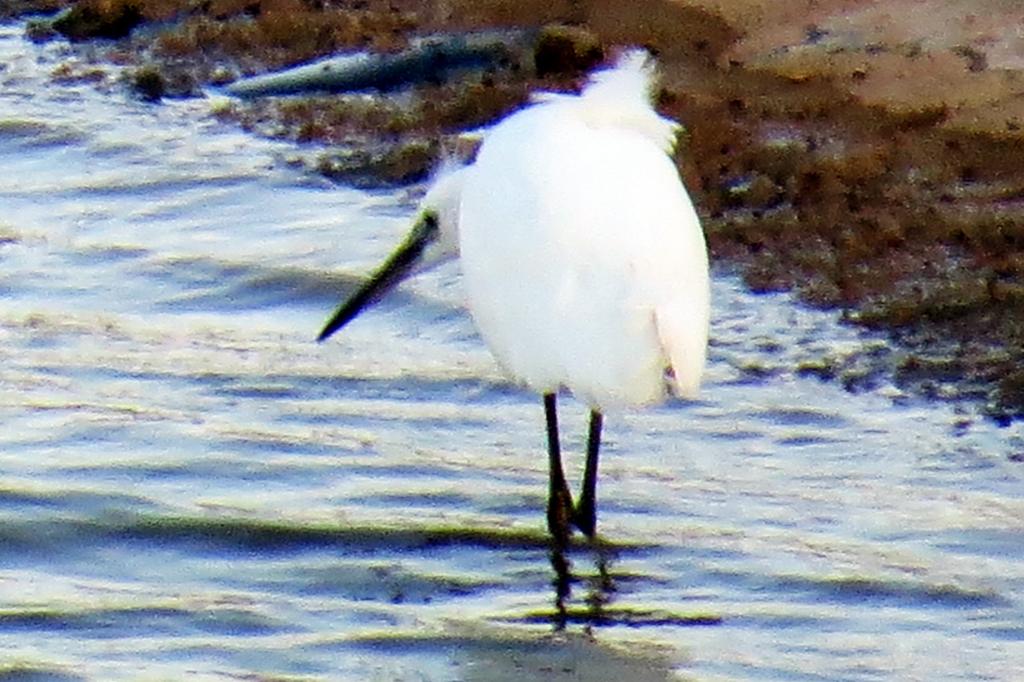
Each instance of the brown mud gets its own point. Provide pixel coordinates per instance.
(867, 156)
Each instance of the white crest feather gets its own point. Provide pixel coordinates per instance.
(620, 96)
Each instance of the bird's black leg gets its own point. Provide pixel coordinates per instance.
(585, 515)
(560, 511)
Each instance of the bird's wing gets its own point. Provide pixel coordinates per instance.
(673, 274)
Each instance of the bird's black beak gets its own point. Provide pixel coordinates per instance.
(396, 268)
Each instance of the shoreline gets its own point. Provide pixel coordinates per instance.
(865, 158)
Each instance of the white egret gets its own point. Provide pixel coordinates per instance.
(584, 262)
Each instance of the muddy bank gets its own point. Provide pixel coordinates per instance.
(866, 156)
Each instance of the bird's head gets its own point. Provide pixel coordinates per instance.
(433, 239)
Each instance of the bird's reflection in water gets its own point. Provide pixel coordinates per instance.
(600, 588)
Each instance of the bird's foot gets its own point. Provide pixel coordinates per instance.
(584, 517)
(560, 516)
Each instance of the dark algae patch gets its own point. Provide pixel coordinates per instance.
(865, 156)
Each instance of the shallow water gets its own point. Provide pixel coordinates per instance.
(190, 487)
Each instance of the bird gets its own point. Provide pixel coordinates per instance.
(584, 263)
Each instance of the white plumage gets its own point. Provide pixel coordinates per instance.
(584, 262)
